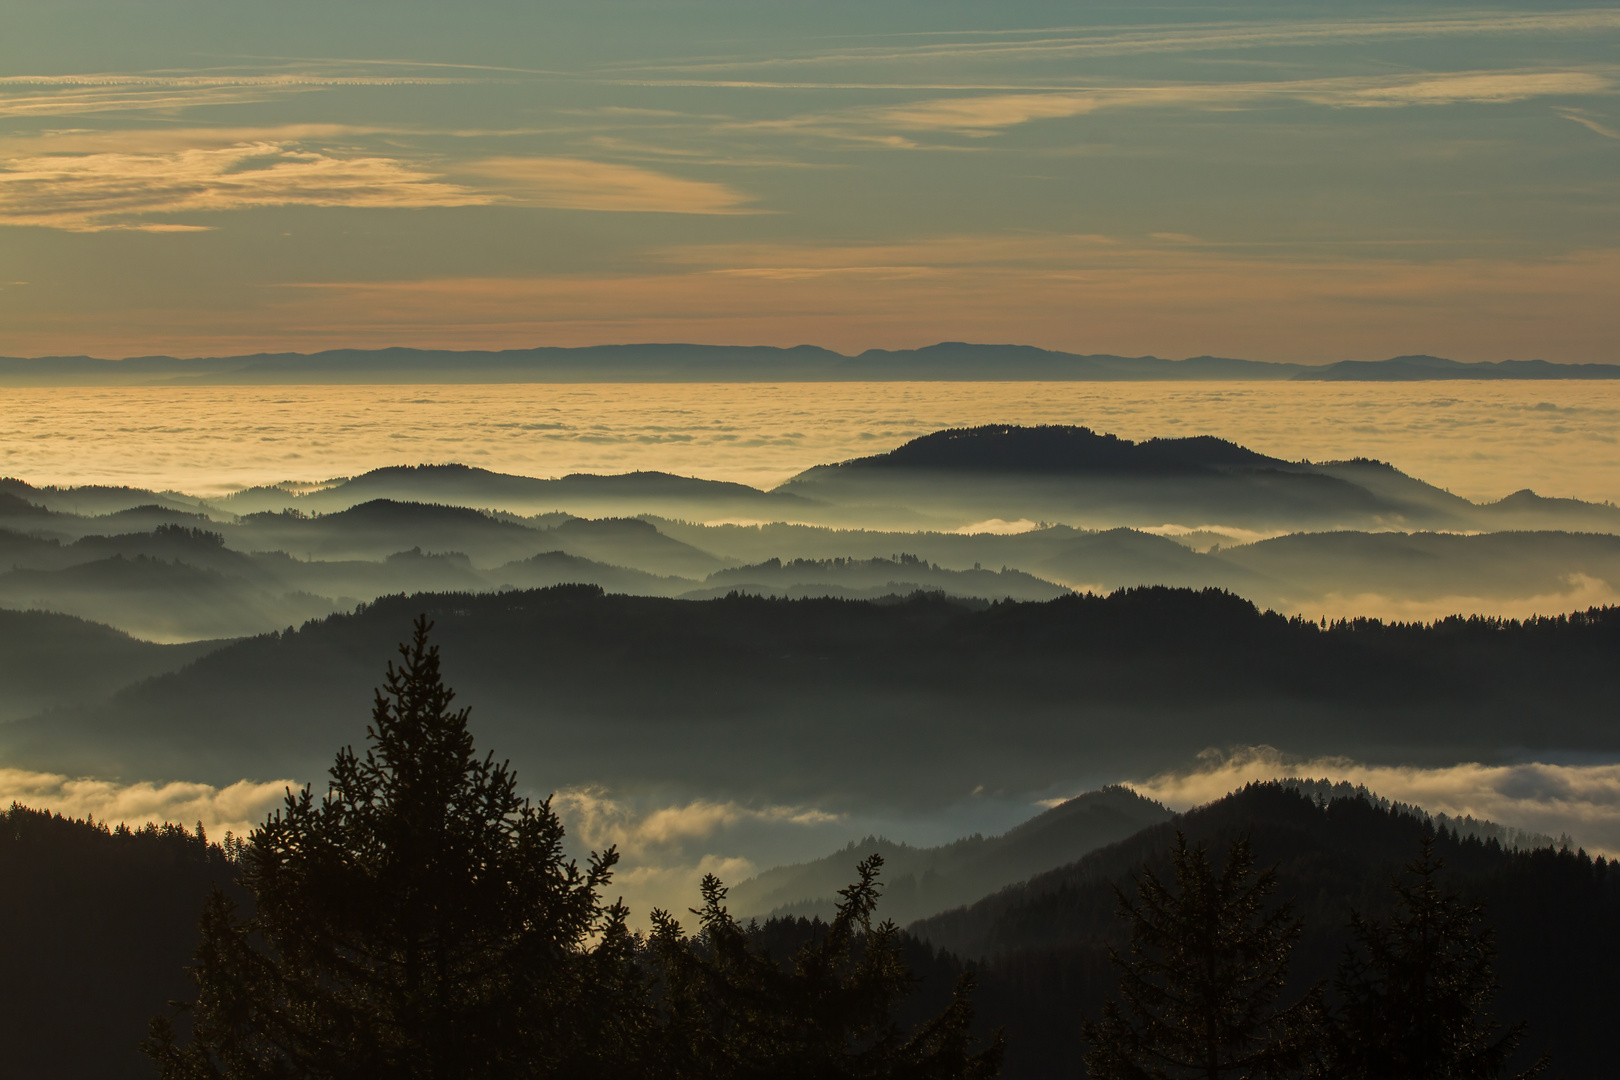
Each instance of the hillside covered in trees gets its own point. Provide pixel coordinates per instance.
(99, 923)
(621, 690)
(994, 512)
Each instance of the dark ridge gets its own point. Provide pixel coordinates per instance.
(1556, 914)
(1059, 449)
(148, 510)
(920, 880)
(466, 484)
(1419, 368)
(15, 506)
(570, 675)
(385, 512)
(615, 527)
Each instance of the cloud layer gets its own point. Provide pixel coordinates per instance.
(577, 184)
(237, 808)
(668, 848)
(102, 191)
(1582, 801)
(98, 190)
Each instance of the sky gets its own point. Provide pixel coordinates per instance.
(1283, 181)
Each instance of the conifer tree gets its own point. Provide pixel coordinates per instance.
(731, 1011)
(1207, 966)
(419, 920)
(1416, 990)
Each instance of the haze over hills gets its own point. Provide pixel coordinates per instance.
(760, 699)
(675, 362)
(919, 882)
(786, 667)
(1076, 475)
(585, 494)
(986, 513)
(51, 660)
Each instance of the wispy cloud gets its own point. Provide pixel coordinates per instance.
(579, 184)
(122, 180)
(237, 807)
(985, 114)
(184, 80)
(1034, 45)
(1483, 87)
(101, 191)
(91, 94)
(668, 848)
(1580, 800)
(1581, 117)
(599, 818)
(1581, 591)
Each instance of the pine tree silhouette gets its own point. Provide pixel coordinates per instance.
(1416, 990)
(734, 1012)
(1207, 966)
(419, 920)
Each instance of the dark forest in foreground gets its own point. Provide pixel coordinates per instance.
(98, 924)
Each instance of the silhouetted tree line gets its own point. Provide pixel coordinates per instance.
(1046, 943)
(421, 919)
(94, 924)
(1136, 646)
(1201, 988)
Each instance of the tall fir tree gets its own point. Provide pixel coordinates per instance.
(1207, 967)
(732, 1011)
(418, 921)
(1416, 990)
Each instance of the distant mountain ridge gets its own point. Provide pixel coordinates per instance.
(1422, 368)
(684, 362)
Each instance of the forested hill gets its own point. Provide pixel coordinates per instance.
(96, 926)
(923, 881)
(721, 693)
(1556, 915)
(50, 659)
(1058, 449)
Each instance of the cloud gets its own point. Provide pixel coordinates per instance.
(238, 807)
(1467, 87)
(666, 849)
(99, 181)
(997, 527)
(1582, 591)
(101, 191)
(92, 94)
(598, 818)
(994, 111)
(1591, 124)
(1021, 47)
(985, 114)
(578, 184)
(1580, 800)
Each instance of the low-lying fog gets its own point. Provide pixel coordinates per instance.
(669, 845)
(934, 665)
